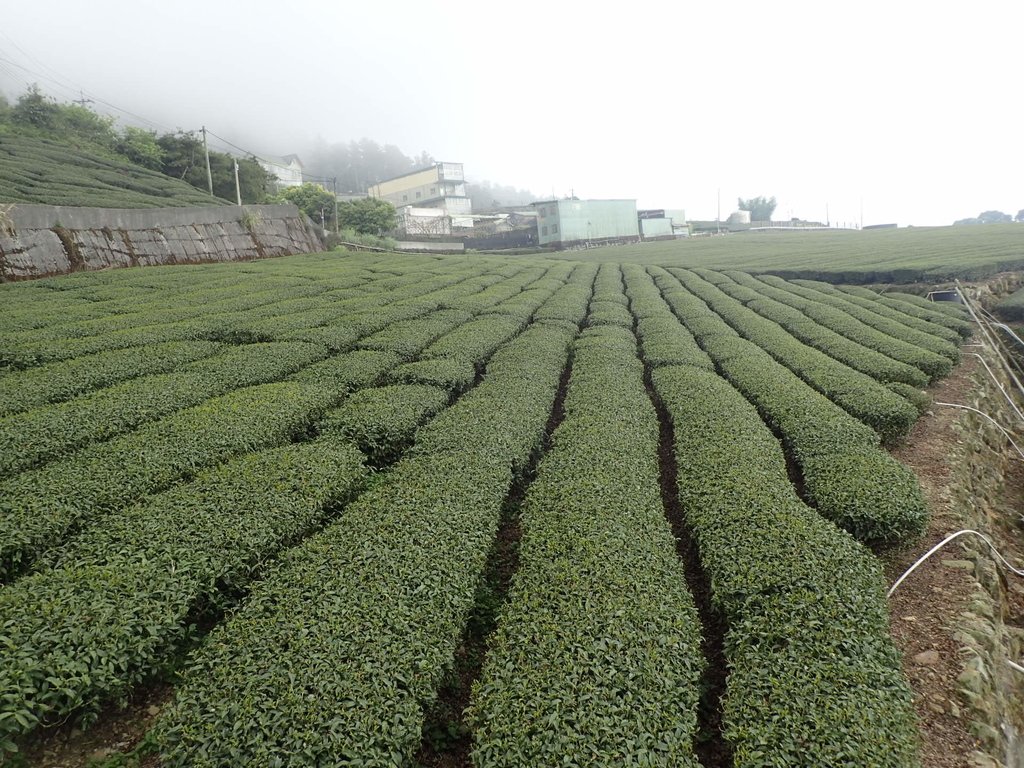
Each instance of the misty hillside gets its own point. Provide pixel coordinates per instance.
(39, 170)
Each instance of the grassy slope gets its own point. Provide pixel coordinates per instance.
(896, 255)
(38, 170)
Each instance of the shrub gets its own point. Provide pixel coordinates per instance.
(813, 676)
(597, 652)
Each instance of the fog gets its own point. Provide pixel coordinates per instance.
(902, 112)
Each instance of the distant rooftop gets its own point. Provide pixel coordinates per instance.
(416, 170)
(284, 160)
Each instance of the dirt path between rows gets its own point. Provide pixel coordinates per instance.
(926, 606)
(923, 610)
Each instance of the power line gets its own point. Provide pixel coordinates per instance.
(32, 58)
(82, 93)
(38, 76)
(6, 69)
(235, 146)
(305, 176)
(86, 97)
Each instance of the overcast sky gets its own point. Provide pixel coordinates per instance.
(913, 109)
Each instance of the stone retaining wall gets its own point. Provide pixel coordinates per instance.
(44, 240)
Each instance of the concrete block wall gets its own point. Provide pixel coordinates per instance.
(43, 240)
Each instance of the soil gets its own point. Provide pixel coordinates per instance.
(925, 608)
(447, 738)
(712, 750)
(117, 732)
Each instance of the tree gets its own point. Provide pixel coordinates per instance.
(141, 147)
(183, 157)
(488, 197)
(36, 110)
(312, 199)
(254, 181)
(1020, 215)
(76, 120)
(761, 208)
(367, 216)
(988, 217)
(359, 164)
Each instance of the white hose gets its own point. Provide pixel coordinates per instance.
(1000, 386)
(943, 543)
(993, 320)
(999, 426)
(991, 339)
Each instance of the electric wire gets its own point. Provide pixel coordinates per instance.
(73, 88)
(94, 97)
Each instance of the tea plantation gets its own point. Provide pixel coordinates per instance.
(51, 172)
(293, 481)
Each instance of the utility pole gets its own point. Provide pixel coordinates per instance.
(209, 176)
(238, 189)
(335, 184)
(83, 101)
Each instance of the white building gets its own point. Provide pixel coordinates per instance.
(443, 186)
(286, 170)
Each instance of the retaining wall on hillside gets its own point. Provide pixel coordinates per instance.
(45, 240)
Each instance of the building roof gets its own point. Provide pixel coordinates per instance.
(284, 160)
(589, 200)
(421, 169)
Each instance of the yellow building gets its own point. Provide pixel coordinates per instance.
(443, 185)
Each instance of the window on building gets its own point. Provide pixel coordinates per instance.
(433, 190)
(405, 198)
(417, 195)
(543, 230)
(543, 212)
(554, 229)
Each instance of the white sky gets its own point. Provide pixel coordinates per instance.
(914, 108)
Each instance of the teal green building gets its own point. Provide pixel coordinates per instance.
(572, 221)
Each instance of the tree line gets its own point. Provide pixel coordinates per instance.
(354, 165)
(357, 165)
(991, 217)
(179, 154)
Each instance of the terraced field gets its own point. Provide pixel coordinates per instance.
(627, 511)
(39, 170)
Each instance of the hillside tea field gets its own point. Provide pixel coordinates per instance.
(299, 475)
(50, 172)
